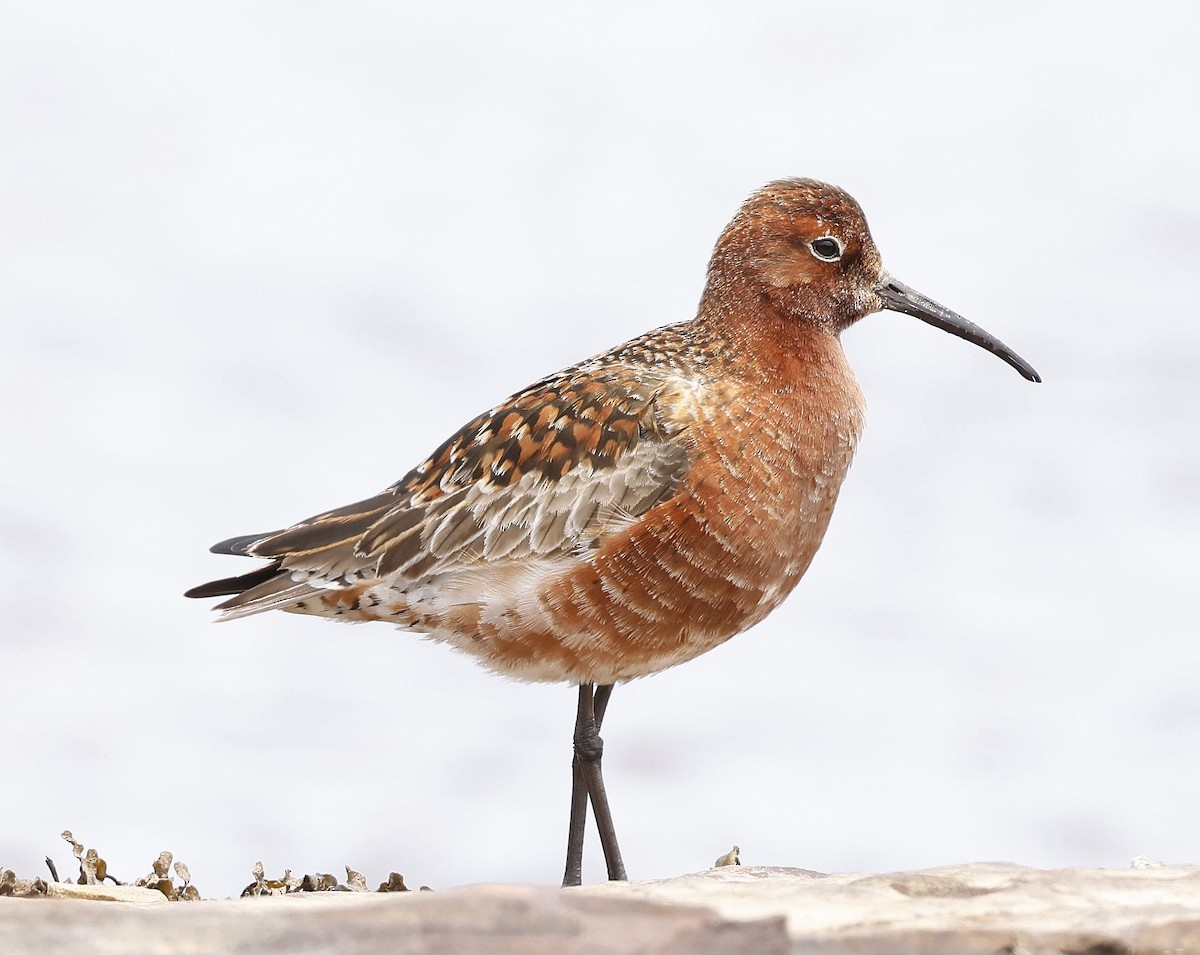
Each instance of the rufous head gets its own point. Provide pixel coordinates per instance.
(804, 247)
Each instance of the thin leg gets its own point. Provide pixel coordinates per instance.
(579, 795)
(600, 704)
(612, 852)
(595, 781)
(587, 781)
(579, 800)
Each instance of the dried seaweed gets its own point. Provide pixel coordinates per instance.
(93, 870)
(174, 880)
(319, 882)
(14, 888)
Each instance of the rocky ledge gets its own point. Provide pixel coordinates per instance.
(965, 909)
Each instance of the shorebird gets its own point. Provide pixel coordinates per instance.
(637, 509)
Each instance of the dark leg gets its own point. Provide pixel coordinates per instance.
(579, 799)
(604, 823)
(601, 702)
(587, 781)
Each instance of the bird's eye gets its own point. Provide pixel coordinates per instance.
(826, 248)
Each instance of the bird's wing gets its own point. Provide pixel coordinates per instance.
(548, 472)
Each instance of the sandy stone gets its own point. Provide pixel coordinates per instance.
(987, 907)
(104, 892)
(481, 920)
(992, 908)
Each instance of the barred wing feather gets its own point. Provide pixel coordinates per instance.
(547, 474)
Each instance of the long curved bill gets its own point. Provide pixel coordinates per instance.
(900, 298)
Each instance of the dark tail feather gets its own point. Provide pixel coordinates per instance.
(235, 585)
(239, 546)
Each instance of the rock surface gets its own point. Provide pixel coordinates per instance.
(105, 892)
(481, 920)
(967, 909)
(983, 907)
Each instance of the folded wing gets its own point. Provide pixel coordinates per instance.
(546, 474)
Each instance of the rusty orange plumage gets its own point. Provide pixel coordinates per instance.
(637, 509)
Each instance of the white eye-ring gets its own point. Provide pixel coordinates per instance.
(827, 248)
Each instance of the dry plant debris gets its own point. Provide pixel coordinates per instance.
(732, 857)
(320, 882)
(12, 887)
(174, 879)
(160, 878)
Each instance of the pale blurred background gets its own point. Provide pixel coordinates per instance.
(258, 259)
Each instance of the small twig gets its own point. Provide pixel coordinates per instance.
(53, 871)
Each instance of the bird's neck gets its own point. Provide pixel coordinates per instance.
(751, 331)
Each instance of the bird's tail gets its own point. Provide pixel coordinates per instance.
(267, 588)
